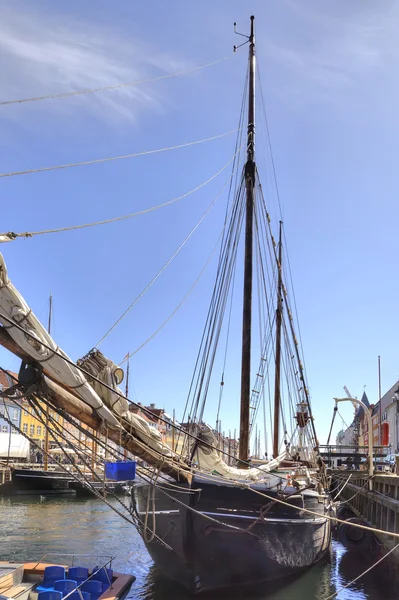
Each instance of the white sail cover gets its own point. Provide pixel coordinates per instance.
(108, 372)
(16, 309)
(208, 458)
(110, 406)
(108, 402)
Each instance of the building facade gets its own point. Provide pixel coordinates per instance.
(35, 428)
(390, 417)
(385, 423)
(8, 408)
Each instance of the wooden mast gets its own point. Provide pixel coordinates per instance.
(247, 304)
(279, 312)
(46, 440)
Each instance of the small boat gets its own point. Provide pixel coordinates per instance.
(34, 581)
(31, 482)
(25, 482)
(84, 488)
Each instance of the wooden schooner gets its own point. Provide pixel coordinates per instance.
(206, 524)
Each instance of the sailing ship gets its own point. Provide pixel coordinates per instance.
(221, 534)
(207, 524)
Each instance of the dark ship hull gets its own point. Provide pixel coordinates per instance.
(224, 536)
(30, 482)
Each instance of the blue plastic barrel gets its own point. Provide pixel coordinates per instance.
(121, 471)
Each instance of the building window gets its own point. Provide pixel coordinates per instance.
(4, 429)
(39, 430)
(25, 428)
(26, 412)
(15, 415)
(32, 430)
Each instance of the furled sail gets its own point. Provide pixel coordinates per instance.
(109, 405)
(108, 372)
(208, 458)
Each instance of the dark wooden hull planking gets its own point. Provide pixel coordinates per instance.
(205, 555)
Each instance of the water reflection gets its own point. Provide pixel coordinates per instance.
(326, 578)
(30, 528)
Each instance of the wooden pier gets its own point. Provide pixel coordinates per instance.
(379, 507)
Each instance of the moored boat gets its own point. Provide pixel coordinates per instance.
(26, 482)
(223, 536)
(33, 581)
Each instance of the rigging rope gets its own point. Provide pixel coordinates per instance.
(156, 454)
(325, 516)
(114, 158)
(181, 303)
(166, 264)
(235, 185)
(11, 236)
(115, 86)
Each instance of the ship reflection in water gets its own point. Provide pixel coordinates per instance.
(30, 528)
(323, 580)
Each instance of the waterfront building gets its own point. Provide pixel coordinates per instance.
(7, 406)
(346, 437)
(385, 423)
(362, 422)
(390, 417)
(375, 417)
(35, 428)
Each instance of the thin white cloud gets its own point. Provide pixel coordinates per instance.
(333, 45)
(42, 55)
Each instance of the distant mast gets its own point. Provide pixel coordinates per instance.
(277, 386)
(46, 409)
(127, 391)
(248, 259)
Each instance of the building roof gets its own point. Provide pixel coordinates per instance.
(157, 412)
(360, 411)
(376, 408)
(365, 400)
(5, 380)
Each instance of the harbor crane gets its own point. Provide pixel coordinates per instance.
(350, 396)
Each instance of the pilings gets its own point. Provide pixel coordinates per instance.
(379, 507)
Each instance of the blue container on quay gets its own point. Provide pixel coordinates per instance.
(121, 471)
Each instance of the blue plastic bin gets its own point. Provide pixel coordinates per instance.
(121, 471)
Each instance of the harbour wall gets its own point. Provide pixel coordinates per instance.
(379, 507)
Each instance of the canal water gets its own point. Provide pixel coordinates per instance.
(31, 528)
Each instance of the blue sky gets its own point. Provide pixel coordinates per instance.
(329, 74)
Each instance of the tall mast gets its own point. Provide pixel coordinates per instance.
(279, 311)
(46, 408)
(247, 305)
